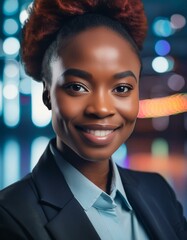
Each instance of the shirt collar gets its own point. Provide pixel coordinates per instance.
(82, 188)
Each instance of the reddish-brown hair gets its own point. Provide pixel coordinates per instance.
(48, 16)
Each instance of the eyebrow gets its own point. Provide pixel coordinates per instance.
(87, 76)
(77, 73)
(125, 74)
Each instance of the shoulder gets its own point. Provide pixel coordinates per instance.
(18, 192)
(142, 176)
(149, 182)
(16, 200)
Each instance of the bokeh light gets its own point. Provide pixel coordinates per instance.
(10, 27)
(160, 147)
(37, 148)
(11, 46)
(160, 64)
(120, 155)
(25, 85)
(159, 107)
(11, 162)
(161, 123)
(178, 21)
(176, 82)
(10, 7)
(23, 16)
(11, 69)
(11, 112)
(162, 47)
(41, 116)
(10, 91)
(162, 27)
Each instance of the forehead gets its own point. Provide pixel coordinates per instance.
(99, 47)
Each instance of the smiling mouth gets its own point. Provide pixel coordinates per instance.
(98, 134)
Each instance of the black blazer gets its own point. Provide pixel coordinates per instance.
(42, 207)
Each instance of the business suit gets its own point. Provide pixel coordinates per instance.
(42, 207)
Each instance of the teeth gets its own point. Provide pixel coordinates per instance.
(99, 133)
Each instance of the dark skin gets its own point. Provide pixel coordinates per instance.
(94, 99)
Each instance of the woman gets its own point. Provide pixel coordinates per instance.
(86, 53)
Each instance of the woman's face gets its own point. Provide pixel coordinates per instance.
(94, 94)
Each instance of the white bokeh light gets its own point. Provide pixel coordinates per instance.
(10, 91)
(23, 16)
(160, 64)
(11, 69)
(41, 116)
(11, 46)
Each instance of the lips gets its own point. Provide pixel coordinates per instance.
(97, 134)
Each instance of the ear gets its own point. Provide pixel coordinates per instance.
(46, 96)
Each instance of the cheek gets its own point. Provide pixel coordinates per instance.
(129, 108)
(66, 108)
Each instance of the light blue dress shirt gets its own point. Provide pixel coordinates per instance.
(111, 215)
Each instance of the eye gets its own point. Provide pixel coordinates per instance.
(75, 87)
(122, 89)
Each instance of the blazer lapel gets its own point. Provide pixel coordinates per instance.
(66, 218)
(72, 223)
(146, 209)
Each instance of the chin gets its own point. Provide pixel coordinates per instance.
(96, 155)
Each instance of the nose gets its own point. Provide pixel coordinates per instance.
(100, 105)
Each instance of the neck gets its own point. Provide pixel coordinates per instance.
(98, 172)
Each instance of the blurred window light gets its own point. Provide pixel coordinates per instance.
(1, 97)
(120, 155)
(176, 82)
(162, 27)
(25, 86)
(160, 64)
(162, 47)
(37, 148)
(10, 26)
(11, 162)
(178, 21)
(11, 69)
(41, 116)
(11, 112)
(160, 148)
(10, 91)
(160, 124)
(10, 7)
(23, 16)
(11, 103)
(11, 46)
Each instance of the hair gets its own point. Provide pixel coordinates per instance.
(52, 22)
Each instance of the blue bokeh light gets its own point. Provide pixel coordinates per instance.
(162, 47)
(10, 27)
(10, 7)
(162, 27)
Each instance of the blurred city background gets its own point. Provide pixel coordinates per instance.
(159, 142)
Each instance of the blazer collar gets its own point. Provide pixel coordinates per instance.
(66, 218)
(146, 208)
